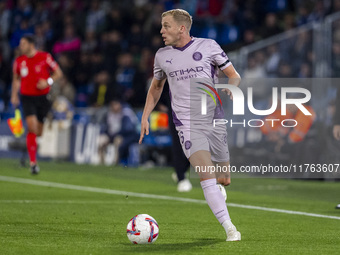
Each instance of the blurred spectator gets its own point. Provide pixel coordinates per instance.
(5, 75)
(40, 13)
(289, 21)
(292, 141)
(319, 11)
(271, 26)
(124, 76)
(63, 88)
(5, 50)
(97, 62)
(248, 37)
(62, 109)
(336, 59)
(90, 43)
(135, 38)
(146, 62)
(22, 11)
(273, 60)
(305, 71)
(301, 48)
(156, 43)
(335, 6)
(111, 48)
(285, 70)
(83, 70)
(48, 33)
(23, 29)
(254, 70)
(121, 130)
(302, 16)
(67, 65)
(40, 39)
(70, 42)
(115, 20)
(5, 19)
(336, 127)
(95, 19)
(153, 20)
(82, 78)
(103, 90)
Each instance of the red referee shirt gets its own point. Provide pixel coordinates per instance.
(32, 69)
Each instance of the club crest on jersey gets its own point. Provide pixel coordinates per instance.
(197, 56)
(23, 71)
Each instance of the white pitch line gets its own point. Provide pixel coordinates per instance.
(27, 201)
(84, 202)
(283, 211)
(143, 195)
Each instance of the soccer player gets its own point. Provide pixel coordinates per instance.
(183, 60)
(34, 72)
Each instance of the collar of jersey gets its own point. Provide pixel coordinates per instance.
(185, 46)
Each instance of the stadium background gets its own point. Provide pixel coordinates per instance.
(111, 45)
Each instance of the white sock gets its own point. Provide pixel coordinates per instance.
(227, 225)
(215, 200)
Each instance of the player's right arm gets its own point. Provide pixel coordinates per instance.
(15, 87)
(152, 99)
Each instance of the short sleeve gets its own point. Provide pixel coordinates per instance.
(16, 67)
(218, 56)
(158, 72)
(51, 62)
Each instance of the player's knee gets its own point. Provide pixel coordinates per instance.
(224, 181)
(33, 130)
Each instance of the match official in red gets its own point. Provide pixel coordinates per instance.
(34, 72)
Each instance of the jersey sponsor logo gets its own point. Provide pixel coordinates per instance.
(186, 71)
(197, 56)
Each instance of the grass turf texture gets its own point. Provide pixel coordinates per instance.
(46, 220)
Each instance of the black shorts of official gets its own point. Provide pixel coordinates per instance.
(36, 105)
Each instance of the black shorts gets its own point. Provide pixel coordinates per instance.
(36, 105)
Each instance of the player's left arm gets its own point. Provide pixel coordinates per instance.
(234, 78)
(56, 73)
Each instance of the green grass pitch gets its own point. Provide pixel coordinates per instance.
(53, 220)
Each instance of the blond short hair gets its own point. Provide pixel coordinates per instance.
(180, 16)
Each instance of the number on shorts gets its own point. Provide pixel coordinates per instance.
(181, 137)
